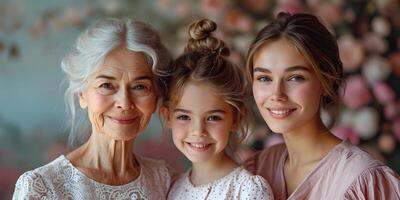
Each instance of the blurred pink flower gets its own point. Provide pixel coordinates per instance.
(356, 93)
(387, 7)
(164, 4)
(236, 20)
(396, 128)
(351, 52)
(182, 9)
(329, 12)
(346, 133)
(392, 110)
(394, 60)
(256, 5)
(384, 93)
(374, 43)
(290, 6)
(213, 6)
(38, 27)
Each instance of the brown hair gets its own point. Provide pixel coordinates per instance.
(204, 60)
(313, 40)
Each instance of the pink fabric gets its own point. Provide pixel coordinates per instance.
(347, 172)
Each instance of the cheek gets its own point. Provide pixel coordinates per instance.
(147, 105)
(260, 93)
(308, 95)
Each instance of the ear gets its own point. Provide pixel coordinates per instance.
(165, 114)
(82, 100)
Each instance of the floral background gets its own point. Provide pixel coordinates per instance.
(34, 36)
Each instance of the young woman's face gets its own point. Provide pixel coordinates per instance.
(286, 90)
(120, 95)
(201, 123)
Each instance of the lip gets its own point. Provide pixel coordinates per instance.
(124, 120)
(281, 112)
(198, 146)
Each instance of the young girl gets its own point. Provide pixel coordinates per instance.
(295, 70)
(203, 105)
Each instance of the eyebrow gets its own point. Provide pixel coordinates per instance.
(113, 78)
(290, 69)
(211, 111)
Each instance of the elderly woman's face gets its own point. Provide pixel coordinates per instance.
(120, 96)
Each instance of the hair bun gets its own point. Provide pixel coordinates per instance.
(201, 40)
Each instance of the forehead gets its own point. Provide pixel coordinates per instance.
(200, 97)
(122, 60)
(279, 55)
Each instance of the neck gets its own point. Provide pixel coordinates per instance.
(309, 144)
(106, 160)
(211, 170)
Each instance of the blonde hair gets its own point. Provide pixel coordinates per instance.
(313, 40)
(204, 61)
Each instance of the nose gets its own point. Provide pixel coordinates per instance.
(123, 100)
(279, 91)
(198, 129)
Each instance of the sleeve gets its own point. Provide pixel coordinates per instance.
(30, 186)
(256, 188)
(379, 183)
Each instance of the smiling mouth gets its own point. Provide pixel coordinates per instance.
(281, 113)
(199, 146)
(124, 121)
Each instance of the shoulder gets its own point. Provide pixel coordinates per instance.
(38, 182)
(265, 159)
(252, 186)
(355, 159)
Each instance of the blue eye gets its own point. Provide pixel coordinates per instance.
(107, 86)
(263, 78)
(296, 78)
(183, 117)
(214, 118)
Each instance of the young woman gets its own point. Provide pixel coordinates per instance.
(204, 106)
(295, 70)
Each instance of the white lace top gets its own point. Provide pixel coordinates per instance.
(61, 180)
(238, 184)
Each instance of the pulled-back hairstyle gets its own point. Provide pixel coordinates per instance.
(313, 41)
(204, 61)
(89, 52)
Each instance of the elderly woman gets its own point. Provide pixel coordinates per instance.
(111, 73)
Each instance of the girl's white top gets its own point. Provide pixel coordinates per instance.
(61, 180)
(238, 184)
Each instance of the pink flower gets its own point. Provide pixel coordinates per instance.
(329, 12)
(374, 43)
(384, 93)
(351, 52)
(236, 20)
(392, 110)
(356, 93)
(346, 133)
(256, 5)
(290, 6)
(213, 6)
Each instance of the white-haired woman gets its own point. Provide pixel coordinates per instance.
(111, 73)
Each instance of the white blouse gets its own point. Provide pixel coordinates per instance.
(238, 184)
(61, 180)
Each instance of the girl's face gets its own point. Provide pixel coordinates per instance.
(285, 88)
(120, 95)
(201, 123)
